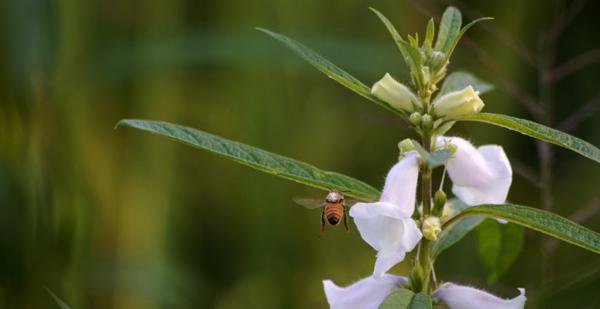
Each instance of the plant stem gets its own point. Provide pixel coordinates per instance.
(423, 255)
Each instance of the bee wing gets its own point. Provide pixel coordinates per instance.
(310, 203)
(349, 202)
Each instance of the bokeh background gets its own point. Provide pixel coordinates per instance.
(122, 219)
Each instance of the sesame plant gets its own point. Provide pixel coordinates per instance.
(395, 221)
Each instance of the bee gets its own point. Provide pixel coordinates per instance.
(334, 209)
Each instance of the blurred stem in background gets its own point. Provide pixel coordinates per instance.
(148, 187)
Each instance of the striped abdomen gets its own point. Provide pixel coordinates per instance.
(334, 212)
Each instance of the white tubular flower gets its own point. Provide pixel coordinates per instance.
(479, 175)
(458, 103)
(394, 93)
(387, 225)
(367, 293)
(464, 297)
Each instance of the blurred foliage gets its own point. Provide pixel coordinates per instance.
(121, 219)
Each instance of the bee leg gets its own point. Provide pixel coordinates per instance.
(346, 220)
(322, 222)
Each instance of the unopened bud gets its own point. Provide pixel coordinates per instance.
(439, 200)
(438, 62)
(415, 276)
(415, 118)
(426, 122)
(406, 145)
(431, 227)
(458, 103)
(394, 93)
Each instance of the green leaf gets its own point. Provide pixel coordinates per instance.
(434, 159)
(421, 301)
(448, 237)
(455, 232)
(429, 34)
(412, 55)
(57, 300)
(257, 158)
(538, 131)
(536, 219)
(459, 80)
(498, 246)
(449, 29)
(398, 299)
(462, 32)
(330, 69)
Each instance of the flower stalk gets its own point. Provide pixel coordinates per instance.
(423, 261)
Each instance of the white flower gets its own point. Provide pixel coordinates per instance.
(464, 297)
(387, 225)
(394, 93)
(457, 103)
(479, 175)
(367, 293)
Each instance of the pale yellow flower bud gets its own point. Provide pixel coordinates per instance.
(415, 119)
(406, 145)
(432, 226)
(458, 103)
(394, 93)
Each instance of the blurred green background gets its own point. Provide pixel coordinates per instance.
(122, 219)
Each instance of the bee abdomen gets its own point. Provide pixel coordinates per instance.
(334, 213)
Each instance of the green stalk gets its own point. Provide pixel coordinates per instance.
(423, 255)
(422, 263)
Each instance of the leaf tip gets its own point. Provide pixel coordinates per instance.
(120, 123)
(374, 10)
(263, 30)
(451, 10)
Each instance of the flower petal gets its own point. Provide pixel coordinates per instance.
(388, 230)
(394, 93)
(457, 103)
(380, 224)
(385, 261)
(400, 186)
(366, 293)
(464, 297)
(479, 176)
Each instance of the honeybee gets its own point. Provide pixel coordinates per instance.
(334, 209)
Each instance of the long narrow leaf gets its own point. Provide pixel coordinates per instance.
(453, 234)
(449, 29)
(257, 158)
(539, 220)
(462, 32)
(329, 69)
(538, 131)
(410, 53)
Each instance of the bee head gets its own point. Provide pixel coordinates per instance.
(334, 197)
